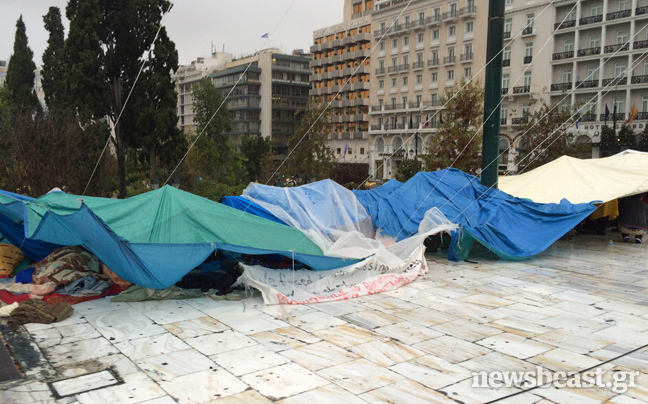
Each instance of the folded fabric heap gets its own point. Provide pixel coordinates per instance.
(37, 311)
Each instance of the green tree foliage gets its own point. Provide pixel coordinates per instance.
(253, 148)
(453, 142)
(407, 169)
(153, 115)
(50, 150)
(548, 132)
(54, 59)
(643, 140)
(20, 72)
(212, 158)
(626, 137)
(309, 144)
(85, 80)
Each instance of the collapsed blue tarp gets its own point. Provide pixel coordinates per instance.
(155, 238)
(511, 227)
(12, 228)
(240, 203)
(369, 199)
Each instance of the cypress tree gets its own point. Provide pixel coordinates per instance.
(20, 72)
(54, 59)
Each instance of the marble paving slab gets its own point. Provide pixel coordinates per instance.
(408, 332)
(154, 345)
(79, 351)
(431, 371)
(247, 360)
(324, 395)
(347, 335)
(515, 345)
(84, 383)
(360, 376)
(204, 386)
(137, 387)
(386, 353)
(212, 344)
(167, 367)
(319, 355)
(196, 327)
(284, 381)
(282, 339)
(406, 392)
(452, 349)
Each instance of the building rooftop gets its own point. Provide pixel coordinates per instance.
(581, 304)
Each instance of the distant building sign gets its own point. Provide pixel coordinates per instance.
(358, 22)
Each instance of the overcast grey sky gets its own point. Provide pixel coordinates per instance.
(194, 24)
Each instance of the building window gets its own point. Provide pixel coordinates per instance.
(362, 150)
(504, 111)
(530, 19)
(452, 30)
(506, 55)
(393, 82)
(597, 9)
(567, 75)
(381, 46)
(420, 37)
(421, 17)
(568, 45)
(528, 49)
(395, 43)
(594, 41)
(525, 109)
(592, 73)
(419, 79)
(450, 74)
(338, 151)
(619, 70)
(435, 34)
(468, 72)
(434, 77)
(622, 36)
(508, 25)
(505, 81)
(509, 2)
(381, 83)
(469, 27)
(619, 103)
(406, 40)
(527, 79)
(644, 103)
(405, 81)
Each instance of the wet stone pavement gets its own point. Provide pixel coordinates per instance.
(582, 304)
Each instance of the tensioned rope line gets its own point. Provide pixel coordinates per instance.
(334, 98)
(484, 122)
(439, 111)
(213, 116)
(225, 99)
(126, 102)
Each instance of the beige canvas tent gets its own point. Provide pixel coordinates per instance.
(581, 181)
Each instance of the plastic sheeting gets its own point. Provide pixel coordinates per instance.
(369, 199)
(153, 239)
(581, 181)
(509, 226)
(240, 203)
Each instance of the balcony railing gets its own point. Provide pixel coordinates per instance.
(642, 115)
(562, 55)
(527, 31)
(506, 62)
(403, 67)
(618, 47)
(564, 24)
(639, 79)
(640, 45)
(449, 15)
(619, 116)
(380, 32)
(403, 27)
(466, 57)
(376, 127)
(587, 84)
(588, 118)
(590, 20)
(589, 51)
(521, 89)
(449, 59)
(520, 120)
(433, 62)
(561, 86)
(392, 69)
(641, 10)
(505, 90)
(528, 59)
(507, 34)
(614, 81)
(418, 23)
(503, 121)
(380, 70)
(435, 19)
(417, 65)
(618, 14)
(466, 11)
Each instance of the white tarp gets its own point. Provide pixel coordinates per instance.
(332, 217)
(582, 181)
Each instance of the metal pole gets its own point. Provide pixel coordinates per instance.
(614, 116)
(492, 93)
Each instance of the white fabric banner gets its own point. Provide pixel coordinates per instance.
(285, 286)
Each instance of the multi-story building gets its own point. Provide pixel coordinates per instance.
(186, 77)
(3, 72)
(589, 53)
(340, 76)
(422, 52)
(264, 93)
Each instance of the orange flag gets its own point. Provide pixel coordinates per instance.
(633, 113)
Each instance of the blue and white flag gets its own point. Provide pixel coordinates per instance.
(579, 117)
